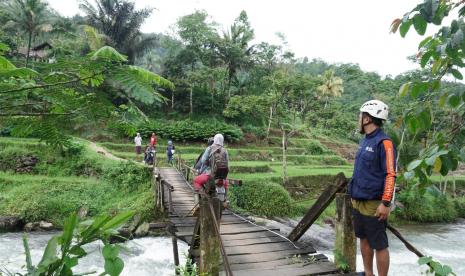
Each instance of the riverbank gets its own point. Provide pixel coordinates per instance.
(39, 183)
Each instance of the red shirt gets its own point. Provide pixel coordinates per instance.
(153, 140)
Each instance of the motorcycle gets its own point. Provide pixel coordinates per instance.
(150, 156)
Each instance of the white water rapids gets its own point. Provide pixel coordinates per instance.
(154, 256)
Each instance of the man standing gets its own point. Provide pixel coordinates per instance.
(372, 187)
(138, 142)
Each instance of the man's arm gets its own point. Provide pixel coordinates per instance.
(388, 165)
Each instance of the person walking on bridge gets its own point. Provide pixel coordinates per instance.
(372, 187)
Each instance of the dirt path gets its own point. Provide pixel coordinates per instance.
(104, 152)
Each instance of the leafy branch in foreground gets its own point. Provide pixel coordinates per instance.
(63, 252)
(441, 54)
(73, 90)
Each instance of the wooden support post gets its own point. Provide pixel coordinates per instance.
(320, 205)
(210, 252)
(162, 189)
(170, 199)
(176, 254)
(346, 243)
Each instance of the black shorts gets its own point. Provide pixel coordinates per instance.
(372, 229)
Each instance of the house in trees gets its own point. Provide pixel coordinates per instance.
(42, 52)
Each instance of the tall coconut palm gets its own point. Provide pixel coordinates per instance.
(29, 16)
(120, 21)
(332, 87)
(234, 47)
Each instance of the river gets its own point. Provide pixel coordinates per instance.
(153, 256)
(144, 256)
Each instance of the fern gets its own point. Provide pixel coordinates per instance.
(108, 53)
(6, 64)
(138, 84)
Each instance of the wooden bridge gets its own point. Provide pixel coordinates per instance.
(225, 243)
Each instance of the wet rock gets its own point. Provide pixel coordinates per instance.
(46, 226)
(132, 226)
(10, 223)
(82, 212)
(142, 230)
(31, 226)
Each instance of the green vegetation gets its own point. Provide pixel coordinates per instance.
(289, 121)
(62, 185)
(63, 251)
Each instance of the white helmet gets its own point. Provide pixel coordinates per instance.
(376, 109)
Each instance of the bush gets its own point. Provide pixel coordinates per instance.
(264, 199)
(427, 207)
(259, 132)
(188, 130)
(315, 147)
(459, 204)
(127, 176)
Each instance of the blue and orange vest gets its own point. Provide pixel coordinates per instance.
(370, 181)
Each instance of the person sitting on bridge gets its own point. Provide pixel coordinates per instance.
(205, 171)
(372, 187)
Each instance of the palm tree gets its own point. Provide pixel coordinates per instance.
(120, 21)
(234, 47)
(332, 87)
(29, 16)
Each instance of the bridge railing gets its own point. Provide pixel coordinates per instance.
(206, 234)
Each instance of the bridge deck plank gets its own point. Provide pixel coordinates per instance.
(251, 249)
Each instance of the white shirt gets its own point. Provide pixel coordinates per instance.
(138, 141)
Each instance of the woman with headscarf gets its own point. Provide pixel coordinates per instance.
(205, 169)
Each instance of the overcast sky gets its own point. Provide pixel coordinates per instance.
(355, 31)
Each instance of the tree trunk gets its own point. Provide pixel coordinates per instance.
(269, 122)
(28, 48)
(445, 186)
(190, 102)
(284, 155)
(172, 99)
(454, 194)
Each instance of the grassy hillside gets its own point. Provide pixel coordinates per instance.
(63, 182)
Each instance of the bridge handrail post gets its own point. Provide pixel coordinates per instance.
(346, 243)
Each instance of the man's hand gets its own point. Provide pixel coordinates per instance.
(382, 212)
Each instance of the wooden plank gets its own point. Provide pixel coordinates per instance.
(267, 247)
(320, 205)
(275, 239)
(262, 257)
(241, 230)
(243, 236)
(313, 269)
(301, 261)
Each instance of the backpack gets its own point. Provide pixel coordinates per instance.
(218, 160)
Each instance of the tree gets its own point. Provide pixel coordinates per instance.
(29, 16)
(234, 47)
(441, 54)
(331, 87)
(120, 21)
